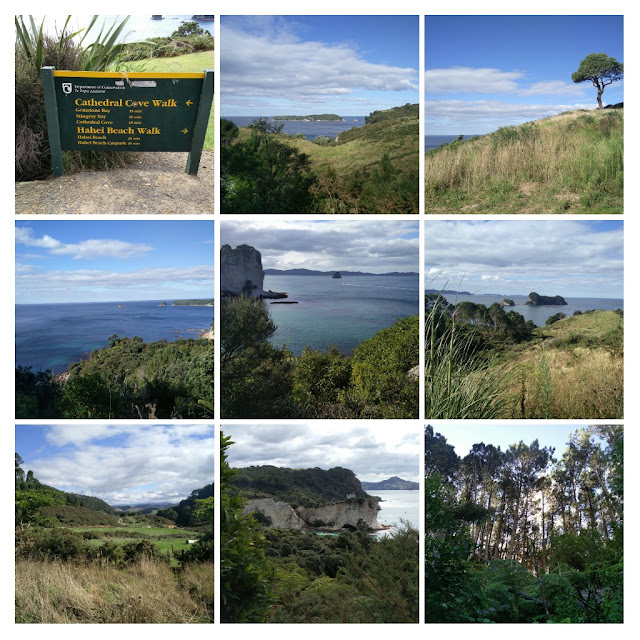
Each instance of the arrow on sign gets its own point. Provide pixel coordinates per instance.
(185, 131)
(189, 103)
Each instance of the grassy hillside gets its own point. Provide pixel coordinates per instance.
(570, 163)
(572, 369)
(369, 169)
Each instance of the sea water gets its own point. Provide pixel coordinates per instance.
(433, 142)
(341, 311)
(538, 315)
(50, 336)
(397, 506)
(310, 130)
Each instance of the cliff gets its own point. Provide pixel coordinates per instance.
(241, 271)
(338, 515)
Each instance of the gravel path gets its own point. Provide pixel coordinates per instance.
(155, 183)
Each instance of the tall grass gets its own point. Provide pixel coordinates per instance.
(147, 592)
(570, 162)
(459, 383)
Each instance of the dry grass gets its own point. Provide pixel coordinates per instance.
(568, 383)
(148, 592)
(570, 163)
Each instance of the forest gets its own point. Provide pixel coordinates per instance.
(488, 363)
(369, 169)
(259, 380)
(127, 378)
(277, 575)
(525, 534)
(80, 561)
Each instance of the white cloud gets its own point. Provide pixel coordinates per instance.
(482, 116)
(343, 245)
(553, 88)
(471, 80)
(372, 453)
(84, 250)
(306, 72)
(141, 464)
(518, 254)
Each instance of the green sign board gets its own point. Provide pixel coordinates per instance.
(110, 111)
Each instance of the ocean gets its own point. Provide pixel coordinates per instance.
(539, 314)
(396, 506)
(342, 311)
(433, 142)
(50, 336)
(310, 130)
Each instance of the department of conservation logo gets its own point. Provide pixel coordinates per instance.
(67, 87)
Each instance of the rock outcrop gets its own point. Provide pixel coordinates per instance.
(334, 516)
(241, 271)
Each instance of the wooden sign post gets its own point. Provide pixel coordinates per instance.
(111, 111)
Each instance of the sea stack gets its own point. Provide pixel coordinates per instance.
(241, 271)
(336, 274)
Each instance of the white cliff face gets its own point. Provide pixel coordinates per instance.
(281, 514)
(331, 516)
(241, 271)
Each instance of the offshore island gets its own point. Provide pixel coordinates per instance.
(322, 117)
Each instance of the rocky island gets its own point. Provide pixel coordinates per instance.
(508, 302)
(536, 300)
(322, 117)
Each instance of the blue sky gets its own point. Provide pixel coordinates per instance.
(329, 245)
(122, 464)
(299, 65)
(464, 436)
(93, 261)
(570, 258)
(484, 72)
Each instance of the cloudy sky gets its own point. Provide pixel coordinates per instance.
(485, 72)
(286, 65)
(372, 453)
(348, 245)
(96, 261)
(464, 435)
(121, 464)
(569, 258)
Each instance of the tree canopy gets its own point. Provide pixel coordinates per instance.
(599, 69)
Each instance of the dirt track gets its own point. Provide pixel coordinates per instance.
(155, 183)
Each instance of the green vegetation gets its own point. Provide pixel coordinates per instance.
(78, 562)
(194, 302)
(519, 536)
(600, 70)
(536, 300)
(298, 487)
(260, 380)
(289, 576)
(322, 117)
(128, 378)
(369, 169)
(570, 163)
(487, 363)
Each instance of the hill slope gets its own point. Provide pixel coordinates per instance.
(306, 487)
(570, 163)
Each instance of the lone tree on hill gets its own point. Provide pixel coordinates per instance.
(601, 70)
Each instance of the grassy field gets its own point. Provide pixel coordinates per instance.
(165, 540)
(572, 369)
(189, 63)
(570, 163)
(148, 592)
